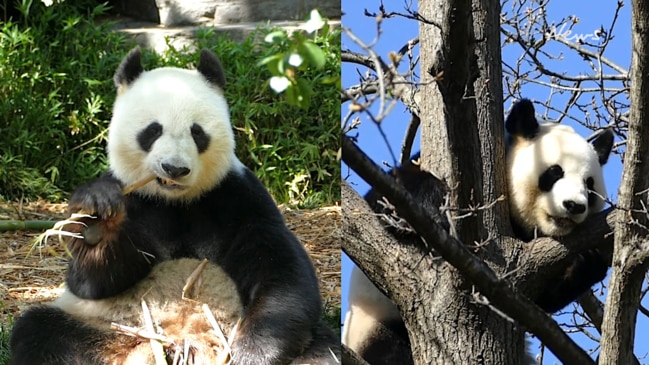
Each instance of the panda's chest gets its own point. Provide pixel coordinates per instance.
(183, 227)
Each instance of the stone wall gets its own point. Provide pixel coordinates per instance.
(199, 12)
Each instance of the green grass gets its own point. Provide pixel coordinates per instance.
(5, 331)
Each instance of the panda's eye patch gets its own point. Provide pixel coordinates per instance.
(201, 138)
(149, 135)
(592, 196)
(549, 177)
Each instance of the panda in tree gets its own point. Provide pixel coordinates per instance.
(555, 182)
(172, 127)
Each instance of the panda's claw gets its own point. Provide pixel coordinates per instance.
(102, 198)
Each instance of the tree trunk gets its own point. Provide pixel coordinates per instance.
(462, 141)
(630, 260)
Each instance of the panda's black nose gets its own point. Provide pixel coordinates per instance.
(574, 208)
(175, 171)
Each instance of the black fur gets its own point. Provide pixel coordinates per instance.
(391, 347)
(425, 188)
(201, 139)
(521, 120)
(210, 67)
(236, 225)
(46, 335)
(129, 69)
(549, 177)
(603, 145)
(588, 268)
(147, 137)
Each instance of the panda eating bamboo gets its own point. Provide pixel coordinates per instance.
(171, 127)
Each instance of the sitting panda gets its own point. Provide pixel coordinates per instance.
(554, 183)
(172, 126)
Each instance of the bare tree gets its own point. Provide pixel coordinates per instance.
(467, 302)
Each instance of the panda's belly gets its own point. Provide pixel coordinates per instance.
(178, 319)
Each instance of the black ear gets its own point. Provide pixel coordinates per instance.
(521, 120)
(129, 69)
(603, 145)
(210, 67)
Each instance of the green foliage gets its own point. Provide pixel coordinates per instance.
(56, 95)
(331, 316)
(5, 332)
(299, 53)
(56, 90)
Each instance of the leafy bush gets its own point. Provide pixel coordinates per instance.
(56, 90)
(56, 93)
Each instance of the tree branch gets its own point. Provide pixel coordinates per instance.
(350, 357)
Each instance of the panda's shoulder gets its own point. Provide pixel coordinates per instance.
(239, 183)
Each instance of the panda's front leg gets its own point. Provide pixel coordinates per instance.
(275, 331)
(280, 295)
(113, 254)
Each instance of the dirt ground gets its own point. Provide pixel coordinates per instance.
(27, 278)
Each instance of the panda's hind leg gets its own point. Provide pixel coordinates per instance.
(48, 336)
(324, 348)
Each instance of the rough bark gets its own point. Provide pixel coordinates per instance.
(487, 89)
(461, 119)
(631, 247)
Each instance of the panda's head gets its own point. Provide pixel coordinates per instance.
(554, 174)
(173, 124)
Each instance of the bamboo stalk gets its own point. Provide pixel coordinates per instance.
(138, 332)
(16, 225)
(138, 184)
(156, 346)
(191, 281)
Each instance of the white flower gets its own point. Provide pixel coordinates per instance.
(295, 60)
(279, 83)
(314, 23)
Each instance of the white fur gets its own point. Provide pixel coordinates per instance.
(174, 317)
(367, 308)
(555, 144)
(175, 98)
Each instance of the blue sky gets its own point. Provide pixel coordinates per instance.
(398, 31)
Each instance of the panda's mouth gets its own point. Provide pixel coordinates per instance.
(168, 183)
(562, 222)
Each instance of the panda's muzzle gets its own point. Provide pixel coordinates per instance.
(563, 222)
(172, 174)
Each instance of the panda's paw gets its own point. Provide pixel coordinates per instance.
(254, 350)
(102, 199)
(104, 202)
(591, 265)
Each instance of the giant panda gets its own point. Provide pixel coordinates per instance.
(172, 126)
(555, 182)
